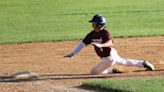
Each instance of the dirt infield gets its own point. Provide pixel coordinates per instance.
(58, 73)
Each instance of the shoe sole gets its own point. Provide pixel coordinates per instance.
(148, 66)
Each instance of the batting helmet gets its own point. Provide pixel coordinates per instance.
(100, 20)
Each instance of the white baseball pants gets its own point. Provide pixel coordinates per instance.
(105, 66)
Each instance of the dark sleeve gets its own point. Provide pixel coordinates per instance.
(106, 36)
(87, 39)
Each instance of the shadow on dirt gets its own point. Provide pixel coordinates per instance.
(98, 89)
(144, 70)
(153, 71)
(66, 75)
(53, 77)
(138, 73)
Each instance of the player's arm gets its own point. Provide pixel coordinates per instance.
(106, 44)
(82, 44)
(76, 49)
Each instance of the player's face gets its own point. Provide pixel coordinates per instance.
(94, 25)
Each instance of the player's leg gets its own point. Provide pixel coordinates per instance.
(104, 67)
(131, 62)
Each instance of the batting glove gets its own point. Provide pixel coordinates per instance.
(69, 55)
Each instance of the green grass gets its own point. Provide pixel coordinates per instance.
(127, 85)
(52, 20)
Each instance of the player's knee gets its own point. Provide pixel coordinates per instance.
(94, 72)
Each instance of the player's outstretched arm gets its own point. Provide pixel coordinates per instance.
(76, 50)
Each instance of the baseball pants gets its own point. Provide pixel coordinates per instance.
(105, 66)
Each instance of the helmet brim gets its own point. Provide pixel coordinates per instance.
(90, 21)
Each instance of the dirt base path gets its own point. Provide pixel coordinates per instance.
(46, 60)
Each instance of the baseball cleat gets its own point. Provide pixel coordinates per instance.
(116, 70)
(148, 66)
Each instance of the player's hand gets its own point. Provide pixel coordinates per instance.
(69, 56)
(97, 44)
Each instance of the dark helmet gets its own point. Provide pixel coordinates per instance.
(100, 20)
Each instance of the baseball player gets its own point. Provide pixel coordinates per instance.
(102, 41)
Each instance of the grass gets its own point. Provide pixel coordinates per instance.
(52, 20)
(127, 85)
